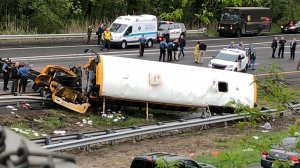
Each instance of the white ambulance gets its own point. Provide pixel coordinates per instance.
(126, 30)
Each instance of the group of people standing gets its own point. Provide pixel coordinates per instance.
(18, 74)
(104, 36)
(281, 44)
(171, 46)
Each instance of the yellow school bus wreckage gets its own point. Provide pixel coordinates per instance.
(149, 82)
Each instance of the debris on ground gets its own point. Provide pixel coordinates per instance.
(27, 132)
(267, 126)
(58, 132)
(85, 122)
(114, 116)
(256, 137)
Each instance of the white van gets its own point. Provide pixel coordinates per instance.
(126, 30)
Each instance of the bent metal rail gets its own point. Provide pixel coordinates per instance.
(148, 130)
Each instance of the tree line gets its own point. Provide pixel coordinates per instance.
(63, 16)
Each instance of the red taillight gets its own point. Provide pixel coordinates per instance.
(291, 23)
(294, 159)
(264, 153)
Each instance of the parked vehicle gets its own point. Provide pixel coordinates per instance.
(244, 20)
(231, 60)
(291, 27)
(149, 161)
(170, 30)
(285, 151)
(126, 30)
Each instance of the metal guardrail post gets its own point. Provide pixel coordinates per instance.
(160, 133)
(81, 136)
(110, 131)
(48, 141)
(138, 137)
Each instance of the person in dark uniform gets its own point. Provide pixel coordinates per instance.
(175, 49)
(281, 42)
(6, 70)
(293, 45)
(182, 44)
(142, 41)
(162, 47)
(23, 72)
(274, 46)
(99, 33)
(15, 78)
(170, 50)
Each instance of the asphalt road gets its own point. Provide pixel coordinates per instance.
(63, 54)
(71, 53)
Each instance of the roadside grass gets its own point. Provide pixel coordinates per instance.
(243, 151)
(55, 122)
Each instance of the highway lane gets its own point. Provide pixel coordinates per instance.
(42, 55)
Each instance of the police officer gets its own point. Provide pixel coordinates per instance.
(274, 46)
(293, 45)
(142, 41)
(175, 49)
(281, 42)
(23, 72)
(170, 50)
(6, 71)
(162, 47)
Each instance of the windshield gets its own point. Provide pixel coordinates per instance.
(118, 28)
(226, 57)
(230, 17)
(163, 27)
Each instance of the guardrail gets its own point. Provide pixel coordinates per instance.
(10, 99)
(135, 132)
(77, 35)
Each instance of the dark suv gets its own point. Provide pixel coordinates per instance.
(150, 161)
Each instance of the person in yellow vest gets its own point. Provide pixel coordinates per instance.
(107, 38)
(197, 52)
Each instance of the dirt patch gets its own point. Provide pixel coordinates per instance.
(197, 142)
